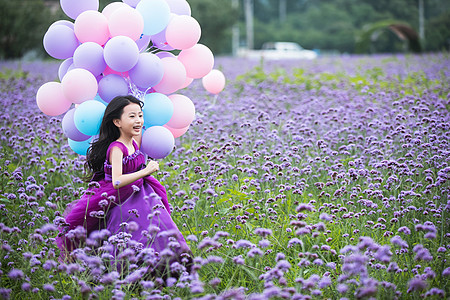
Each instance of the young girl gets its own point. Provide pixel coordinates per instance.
(133, 203)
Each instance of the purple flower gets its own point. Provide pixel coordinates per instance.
(304, 206)
(324, 282)
(264, 243)
(422, 253)
(404, 230)
(396, 240)
(110, 277)
(325, 217)
(26, 286)
(135, 276)
(5, 293)
(435, 291)
(48, 287)
(416, 284)
(383, 254)
(243, 244)
(342, 288)
(331, 265)
(263, 232)
(355, 264)
(15, 274)
(238, 260)
(295, 241)
(255, 251)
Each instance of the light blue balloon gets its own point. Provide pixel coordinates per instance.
(80, 147)
(99, 99)
(156, 15)
(88, 116)
(158, 109)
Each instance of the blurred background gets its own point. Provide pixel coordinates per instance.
(329, 27)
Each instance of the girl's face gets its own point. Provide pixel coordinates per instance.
(131, 122)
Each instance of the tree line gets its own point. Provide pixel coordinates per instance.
(325, 25)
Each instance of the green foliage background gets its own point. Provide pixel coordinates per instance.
(320, 24)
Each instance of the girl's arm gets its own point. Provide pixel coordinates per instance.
(115, 157)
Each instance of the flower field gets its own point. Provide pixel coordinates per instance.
(323, 179)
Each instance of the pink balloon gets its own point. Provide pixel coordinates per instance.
(108, 71)
(198, 61)
(110, 8)
(183, 32)
(51, 100)
(177, 132)
(92, 26)
(183, 111)
(187, 82)
(173, 78)
(214, 81)
(126, 21)
(79, 85)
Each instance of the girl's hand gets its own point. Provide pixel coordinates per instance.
(152, 167)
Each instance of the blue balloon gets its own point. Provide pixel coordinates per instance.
(99, 99)
(156, 15)
(88, 117)
(80, 147)
(158, 109)
(69, 128)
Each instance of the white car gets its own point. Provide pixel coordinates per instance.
(278, 51)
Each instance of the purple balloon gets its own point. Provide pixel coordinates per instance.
(63, 22)
(110, 86)
(148, 71)
(159, 40)
(143, 42)
(60, 42)
(157, 142)
(179, 7)
(121, 53)
(73, 8)
(131, 3)
(64, 68)
(69, 128)
(89, 56)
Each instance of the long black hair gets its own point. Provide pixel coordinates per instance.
(96, 154)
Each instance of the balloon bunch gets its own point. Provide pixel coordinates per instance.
(125, 49)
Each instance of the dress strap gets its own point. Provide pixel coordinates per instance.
(136, 146)
(116, 144)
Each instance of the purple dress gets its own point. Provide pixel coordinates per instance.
(140, 209)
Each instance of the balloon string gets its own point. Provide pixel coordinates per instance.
(209, 107)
